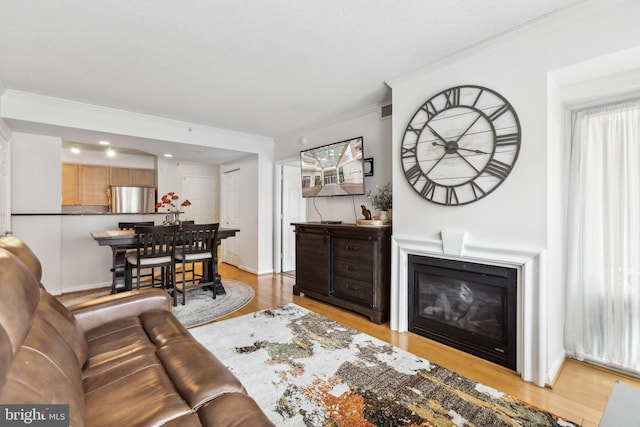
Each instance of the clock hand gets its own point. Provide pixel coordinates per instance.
(435, 164)
(470, 126)
(473, 151)
(436, 134)
(468, 162)
(460, 148)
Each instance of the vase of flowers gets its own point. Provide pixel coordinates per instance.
(171, 203)
(382, 200)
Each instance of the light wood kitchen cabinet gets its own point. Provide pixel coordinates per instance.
(120, 176)
(132, 177)
(144, 177)
(69, 184)
(93, 185)
(87, 185)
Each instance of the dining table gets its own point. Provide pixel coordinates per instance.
(122, 240)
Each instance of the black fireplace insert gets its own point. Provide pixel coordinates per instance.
(466, 305)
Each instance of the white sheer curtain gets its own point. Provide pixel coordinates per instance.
(603, 242)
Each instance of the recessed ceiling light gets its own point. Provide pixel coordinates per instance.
(168, 155)
(110, 153)
(75, 150)
(104, 142)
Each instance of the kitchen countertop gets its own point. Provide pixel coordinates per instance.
(86, 213)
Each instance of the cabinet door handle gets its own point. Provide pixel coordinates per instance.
(351, 268)
(351, 288)
(352, 248)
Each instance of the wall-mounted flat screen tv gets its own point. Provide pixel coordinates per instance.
(333, 170)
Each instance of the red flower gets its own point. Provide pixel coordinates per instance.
(170, 201)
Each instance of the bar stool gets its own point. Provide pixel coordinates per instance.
(119, 254)
(155, 248)
(198, 246)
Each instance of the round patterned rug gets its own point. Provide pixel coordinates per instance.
(202, 308)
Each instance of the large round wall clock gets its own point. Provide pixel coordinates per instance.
(460, 145)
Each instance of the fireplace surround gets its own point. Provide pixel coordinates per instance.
(535, 360)
(466, 305)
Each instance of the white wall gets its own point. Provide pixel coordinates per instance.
(377, 144)
(523, 211)
(36, 173)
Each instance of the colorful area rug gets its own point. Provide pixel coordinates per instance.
(306, 370)
(202, 308)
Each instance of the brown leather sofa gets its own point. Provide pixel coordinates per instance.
(121, 360)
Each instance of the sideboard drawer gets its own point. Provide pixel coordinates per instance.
(353, 269)
(353, 290)
(353, 248)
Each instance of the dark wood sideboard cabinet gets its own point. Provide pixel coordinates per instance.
(345, 265)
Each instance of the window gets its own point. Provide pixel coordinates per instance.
(603, 237)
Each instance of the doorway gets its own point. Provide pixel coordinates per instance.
(292, 208)
(231, 215)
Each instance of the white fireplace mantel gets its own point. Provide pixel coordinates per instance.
(531, 311)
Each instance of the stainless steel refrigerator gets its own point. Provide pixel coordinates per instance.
(132, 199)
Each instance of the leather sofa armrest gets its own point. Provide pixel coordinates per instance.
(91, 314)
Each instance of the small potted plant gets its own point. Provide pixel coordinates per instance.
(170, 202)
(382, 200)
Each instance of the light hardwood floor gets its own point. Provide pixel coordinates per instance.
(579, 394)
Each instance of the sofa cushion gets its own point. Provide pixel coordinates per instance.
(141, 397)
(189, 420)
(111, 343)
(197, 374)
(233, 410)
(163, 327)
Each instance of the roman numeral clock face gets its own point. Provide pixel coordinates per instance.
(460, 145)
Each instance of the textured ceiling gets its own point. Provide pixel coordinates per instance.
(267, 67)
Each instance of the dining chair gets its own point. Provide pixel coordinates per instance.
(120, 253)
(155, 248)
(198, 246)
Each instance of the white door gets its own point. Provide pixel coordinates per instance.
(230, 215)
(202, 192)
(294, 209)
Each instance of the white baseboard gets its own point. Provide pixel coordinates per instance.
(80, 288)
(554, 369)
